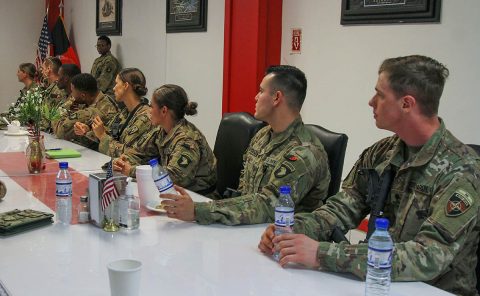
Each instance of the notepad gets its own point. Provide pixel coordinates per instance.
(63, 153)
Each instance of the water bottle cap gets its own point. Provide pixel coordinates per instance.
(381, 223)
(129, 188)
(63, 165)
(285, 189)
(153, 162)
(83, 198)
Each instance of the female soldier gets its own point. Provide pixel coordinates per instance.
(125, 129)
(181, 148)
(26, 74)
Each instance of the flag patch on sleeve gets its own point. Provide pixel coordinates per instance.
(458, 203)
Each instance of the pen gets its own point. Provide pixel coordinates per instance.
(53, 149)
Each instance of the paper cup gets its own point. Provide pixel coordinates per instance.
(124, 276)
(13, 129)
(147, 191)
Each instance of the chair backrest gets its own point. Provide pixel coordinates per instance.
(233, 137)
(477, 269)
(335, 145)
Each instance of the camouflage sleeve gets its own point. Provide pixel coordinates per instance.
(64, 127)
(145, 148)
(109, 71)
(183, 162)
(300, 172)
(429, 254)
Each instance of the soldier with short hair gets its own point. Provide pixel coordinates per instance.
(106, 67)
(283, 153)
(50, 68)
(85, 91)
(432, 196)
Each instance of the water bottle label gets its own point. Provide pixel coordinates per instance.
(164, 183)
(381, 259)
(63, 189)
(284, 216)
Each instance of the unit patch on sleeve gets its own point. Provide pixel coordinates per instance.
(285, 169)
(458, 203)
(184, 161)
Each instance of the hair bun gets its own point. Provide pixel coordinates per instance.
(191, 108)
(140, 89)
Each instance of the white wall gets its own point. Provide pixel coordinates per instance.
(341, 64)
(21, 22)
(191, 60)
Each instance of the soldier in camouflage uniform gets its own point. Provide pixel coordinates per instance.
(126, 128)
(433, 202)
(85, 91)
(65, 75)
(106, 67)
(282, 153)
(181, 148)
(50, 69)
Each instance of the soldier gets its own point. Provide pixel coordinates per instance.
(50, 68)
(181, 148)
(65, 75)
(26, 74)
(126, 128)
(284, 152)
(106, 67)
(85, 91)
(432, 203)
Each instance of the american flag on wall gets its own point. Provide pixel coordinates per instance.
(110, 192)
(43, 43)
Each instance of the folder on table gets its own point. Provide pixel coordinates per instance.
(63, 153)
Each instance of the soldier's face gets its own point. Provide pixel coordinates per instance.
(62, 79)
(119, 88)
(265, 99)
(387, 107)
(102, 47)
(21, 75)
(157, 113)
(45, 70)
(77, 95)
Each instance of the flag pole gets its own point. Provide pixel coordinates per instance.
(60, 6)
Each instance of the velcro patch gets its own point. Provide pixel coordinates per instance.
(458, 203)
(133, 130)
(184, 160)
(284, 170)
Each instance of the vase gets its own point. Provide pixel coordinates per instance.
(35, 153)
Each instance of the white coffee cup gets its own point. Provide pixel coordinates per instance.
(124, 276)
(13, 128)
(147, 191)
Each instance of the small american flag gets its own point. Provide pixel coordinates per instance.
(110, 192)
(43, 43)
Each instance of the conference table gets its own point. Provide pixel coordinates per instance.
(178, 258)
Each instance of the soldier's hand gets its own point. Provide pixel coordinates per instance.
(80, 129)
(98, 127)
(297, 248)
(122, 165)
(266, 245)
(179, 206)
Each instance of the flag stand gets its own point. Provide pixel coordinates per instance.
(109, 221)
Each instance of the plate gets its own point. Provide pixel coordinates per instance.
(19, 133)
(155, 209)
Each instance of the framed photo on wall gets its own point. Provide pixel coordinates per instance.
(109, 17)
(186, 16)
(355, 12)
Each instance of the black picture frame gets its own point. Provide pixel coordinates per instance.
(186, 16)
(357, 12)
(109, 17)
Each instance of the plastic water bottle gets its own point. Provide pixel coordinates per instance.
(284, 211)
(129, 209)
(63, 192)
(161, 178)
(379, 262)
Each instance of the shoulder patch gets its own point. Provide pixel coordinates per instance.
(284, 170)
(291, 157)
(458, 203)
(184, 161)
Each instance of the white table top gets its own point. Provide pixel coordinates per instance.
(178, 258)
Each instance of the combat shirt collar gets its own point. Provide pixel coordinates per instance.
(277, 139)
(167, 137)
(396, 155)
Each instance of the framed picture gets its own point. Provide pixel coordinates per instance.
(109, 17)
(186, 16)
(356, 12)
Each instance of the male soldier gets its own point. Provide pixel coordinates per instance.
(50, 68)
(85, 91)
(282, 153)
(106, 67)
(432, 200)
(65, 75)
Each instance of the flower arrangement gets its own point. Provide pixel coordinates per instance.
(36, 112)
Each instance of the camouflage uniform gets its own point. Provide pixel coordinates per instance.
(103, 106)
(54, 94)
(432, 206)
(10, 114)
(184, 153)
(118, 138)
(294, 157)
(105, 68)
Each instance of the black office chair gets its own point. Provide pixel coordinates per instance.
(233, 137)
(335, 145)
(477, 269)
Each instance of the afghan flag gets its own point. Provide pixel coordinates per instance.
(61, 44)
